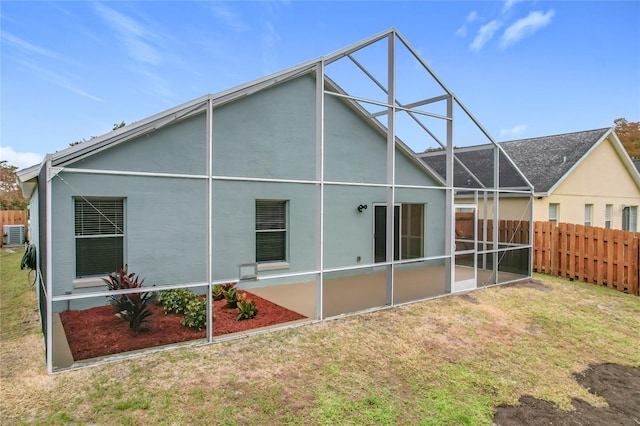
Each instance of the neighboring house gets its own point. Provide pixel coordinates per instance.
(282, 184)
(584, 177)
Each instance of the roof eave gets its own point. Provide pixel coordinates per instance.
(624, 156)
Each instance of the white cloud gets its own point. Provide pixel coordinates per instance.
(513, 132)
(508, 4)
(462, 31)
(228, 17)
(525, 27)
(26, 46)
(19, 159)
(270, 40)
(485, 33)
(139, 41)
(57, 79)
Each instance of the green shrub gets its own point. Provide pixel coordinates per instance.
(232, 298)
(133, 307)
(195, 314)
(246, 307)
(175, 301)
(217, 292)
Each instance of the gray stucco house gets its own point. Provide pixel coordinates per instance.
(283, 185)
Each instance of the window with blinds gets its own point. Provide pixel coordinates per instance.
(608, 209)
(553, 212)
(271, 231)
(630, 218)
(99, 233)
(588, 214)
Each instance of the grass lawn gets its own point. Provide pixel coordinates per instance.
(445, 361)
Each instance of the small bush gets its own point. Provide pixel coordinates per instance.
(232, 298)
(217, 292)
(246, 307)
(133, 307)
(195, 314)
(175, 301)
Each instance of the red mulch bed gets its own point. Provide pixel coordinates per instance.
(98, 332)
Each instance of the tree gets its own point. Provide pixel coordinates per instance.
(116, 126)
(629, 135)
(10, 194)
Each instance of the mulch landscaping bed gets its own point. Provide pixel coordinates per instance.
(98, 332)
(619, 385)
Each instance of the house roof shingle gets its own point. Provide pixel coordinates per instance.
(544, 160)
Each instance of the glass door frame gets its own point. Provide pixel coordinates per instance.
(462, 279)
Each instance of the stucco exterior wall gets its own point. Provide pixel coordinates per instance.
(270, 134)
(600, 179)
(176, 148)
(510, 207)
(164, 237)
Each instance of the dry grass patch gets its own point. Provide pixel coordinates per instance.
(444, 361)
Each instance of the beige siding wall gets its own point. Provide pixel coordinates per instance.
(510, 208)
(600, 179)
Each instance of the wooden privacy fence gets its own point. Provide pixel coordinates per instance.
(509, 231)
(13, 217)
(607, 257)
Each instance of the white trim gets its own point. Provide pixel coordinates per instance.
(89, 282)
(132, 173)
(272, 266)
(76, 296)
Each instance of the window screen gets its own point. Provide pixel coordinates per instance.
(608, 209)
(588, 214)
(271, 230)
(553, 212)
(630, 218)
(99, 232)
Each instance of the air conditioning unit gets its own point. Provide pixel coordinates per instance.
(12, 235)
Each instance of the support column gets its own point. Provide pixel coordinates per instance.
(391, 162)
(450, 226)
(209, 153)
(49, 262)
(320, 190)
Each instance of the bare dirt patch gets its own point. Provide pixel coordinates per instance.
(98, 332)
(619, 385)
(532, 283)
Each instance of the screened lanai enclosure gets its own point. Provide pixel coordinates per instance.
(329, 188)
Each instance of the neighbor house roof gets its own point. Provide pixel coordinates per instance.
(545, 161)
(637, 164)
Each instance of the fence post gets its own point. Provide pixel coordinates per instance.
(599, 257)
(634, 274)
(609, 235)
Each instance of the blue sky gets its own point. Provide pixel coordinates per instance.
(70, 70)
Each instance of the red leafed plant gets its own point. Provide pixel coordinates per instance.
(132, 307)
